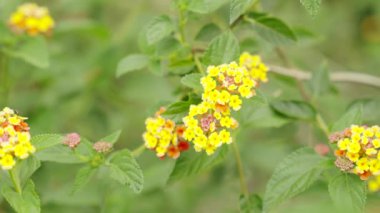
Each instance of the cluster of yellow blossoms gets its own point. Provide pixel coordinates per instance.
(14, 139)
(208, 124)
(32, 19)
(358, 150)
(164, 136)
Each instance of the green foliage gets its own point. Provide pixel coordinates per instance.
(83, 176)
(159, 28)
(131, 63)
(44, 141)
(208, 32)
(239, 7)
(295, 174)
(193, 81)
(32, 50)
(189, 164)
(205, 6)
(222, 49)
(312, 6)
(25, 202)
(25, 169)
(124, 169)
(352, 116)
(253, 203)
(294, 109)
(271, 29)
(112, 138)
(348, 193)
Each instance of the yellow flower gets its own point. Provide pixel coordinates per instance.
(376, 143)
(353, 156)
(15, 134)
(7, 162)
(225, 136)
(343, 144)
(235, 102)
(354, 147)
(373, 186)
(32, 19)
(253, 63)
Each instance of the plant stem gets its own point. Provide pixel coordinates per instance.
(198, 63)
(243, 183)
(138, 151)
(322, 125)
(15, 181)
(4, 90)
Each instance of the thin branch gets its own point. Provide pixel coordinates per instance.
(338, 76)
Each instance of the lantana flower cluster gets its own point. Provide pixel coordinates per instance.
(164, 136)
(14, 139)
(31, 19)
(358, 150)
(209, 124)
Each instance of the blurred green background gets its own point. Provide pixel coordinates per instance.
(78, 92)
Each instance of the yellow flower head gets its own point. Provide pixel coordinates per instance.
(360, 146)
(164, 136)
(14, 139)
(32, 19)
(254, 65)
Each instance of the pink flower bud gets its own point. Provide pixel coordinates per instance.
(102, 147)
(321, 149)
(72, 140)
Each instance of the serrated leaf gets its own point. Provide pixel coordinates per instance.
(370, 109)
(271, 29)
(112, 138)
(27, 202)
(205, 6)
(177, 108)
(293, 175)
(320, 81)
(350, 117)
(312, 6)
(159, 28)
(348, 193)
(33, 50)
(238, 7)
(44, 141)
(294, 109)
(25, 169)
(222, 49)
(82, 177)
(252, 204)
(131, 63)
(189, 163)
(124, 168)
(193, 81)
(208, 32)
(63, 154)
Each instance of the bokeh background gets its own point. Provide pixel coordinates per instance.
(79, 92)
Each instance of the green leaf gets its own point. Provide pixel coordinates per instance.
(63, 154)
(193, 81)
(222, 49)
(189, 163)
(271, 29)
(83, 177)
(112, 138)
(177, 108)
(348, 193)
(44, 141)
(205, 6)
(159, 28)
(25, 169)
(352, 116)
(320, 81)
(253, 204)
(294, 109)
(370, 109)
(208, 32)
(293, 175)
(27, 202)
(33, 50)
(167, 47)
(312, 6)
(124, 168)
(131, 63)
(238, 8)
